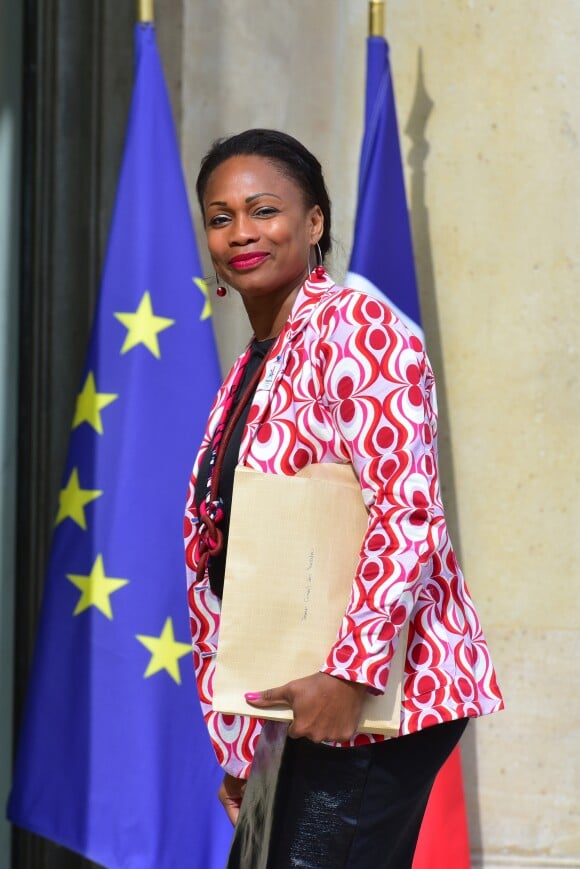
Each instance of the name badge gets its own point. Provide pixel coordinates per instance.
(272, 370)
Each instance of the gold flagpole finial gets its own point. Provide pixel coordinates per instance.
(376, 18)
(145, 12)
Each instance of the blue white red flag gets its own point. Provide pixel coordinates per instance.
(382, 264)
(114, 760)
(382, 260)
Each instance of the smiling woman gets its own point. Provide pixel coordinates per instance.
(259, 234)
(331, 375)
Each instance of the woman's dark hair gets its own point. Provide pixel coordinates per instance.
(293, 159)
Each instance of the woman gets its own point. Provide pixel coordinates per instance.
(331, 375)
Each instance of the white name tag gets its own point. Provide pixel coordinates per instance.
(272, 371)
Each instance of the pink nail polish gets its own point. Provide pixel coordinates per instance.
(251, 696)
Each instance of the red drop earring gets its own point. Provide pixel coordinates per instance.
(319, 270)
(221, 290)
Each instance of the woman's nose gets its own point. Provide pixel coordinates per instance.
(242, 230)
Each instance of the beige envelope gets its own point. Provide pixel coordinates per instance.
(293, 549)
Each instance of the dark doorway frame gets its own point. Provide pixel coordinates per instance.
(77, 75)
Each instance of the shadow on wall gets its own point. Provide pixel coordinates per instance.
(415, 129)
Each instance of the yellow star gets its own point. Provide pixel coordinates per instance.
(202, 286)
(96, 588)
(72, 501)
(143, 327)
(90, 403)
(165, 652)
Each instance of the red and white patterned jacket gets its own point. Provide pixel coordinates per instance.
(347, 382)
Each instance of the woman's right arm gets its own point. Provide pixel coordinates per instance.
(233, 738)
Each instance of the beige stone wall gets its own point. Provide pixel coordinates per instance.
(503, 192)
(495, 190)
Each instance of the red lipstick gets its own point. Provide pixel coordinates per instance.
(248, 260)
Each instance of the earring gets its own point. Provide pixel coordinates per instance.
(319, 270)
(221, 290)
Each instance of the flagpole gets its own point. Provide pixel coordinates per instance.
(145, 13)
(376, 18)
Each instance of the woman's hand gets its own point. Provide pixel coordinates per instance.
(326, 709)
(230, 796)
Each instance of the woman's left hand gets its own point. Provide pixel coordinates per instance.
(326, 709)
(230, 795)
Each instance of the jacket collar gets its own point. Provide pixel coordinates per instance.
(311, 293)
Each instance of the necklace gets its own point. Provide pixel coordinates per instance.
(211, 509)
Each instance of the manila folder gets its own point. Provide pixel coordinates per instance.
(293, 549)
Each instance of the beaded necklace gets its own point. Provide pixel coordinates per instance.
(211, 509)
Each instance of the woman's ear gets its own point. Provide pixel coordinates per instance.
(316, 224)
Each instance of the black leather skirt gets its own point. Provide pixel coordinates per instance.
(320, 807)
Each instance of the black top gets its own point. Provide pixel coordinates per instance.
(217, 564)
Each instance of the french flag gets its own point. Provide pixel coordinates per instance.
(382, 264)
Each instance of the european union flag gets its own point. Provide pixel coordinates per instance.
(382, 260)
(114, 760)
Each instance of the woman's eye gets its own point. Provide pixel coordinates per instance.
(266, 211)
(218, 220)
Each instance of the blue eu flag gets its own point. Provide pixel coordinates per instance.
(382, 260)
(114, 760)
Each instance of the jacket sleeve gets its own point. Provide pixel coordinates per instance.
(233, 737)
(379, 389)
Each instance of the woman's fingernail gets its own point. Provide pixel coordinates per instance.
(251, 696)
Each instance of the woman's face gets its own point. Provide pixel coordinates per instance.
(259, 231)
